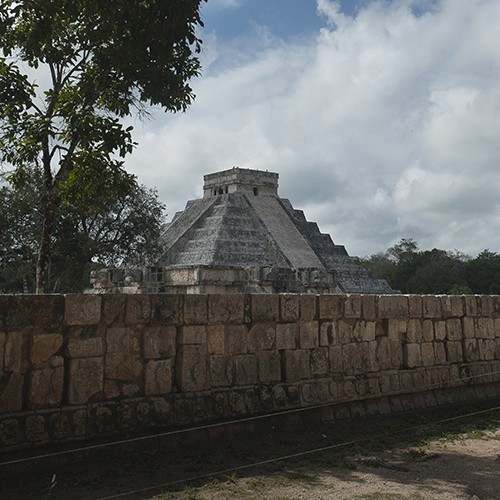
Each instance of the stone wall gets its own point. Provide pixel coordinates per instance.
(77, 367)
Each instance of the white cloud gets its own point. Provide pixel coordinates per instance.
(382, 126)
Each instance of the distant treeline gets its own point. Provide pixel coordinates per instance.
(435, 271)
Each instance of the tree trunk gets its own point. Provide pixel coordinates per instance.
(44, 252)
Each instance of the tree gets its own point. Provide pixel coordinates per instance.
(483, 273)
(120, 228)
(95, 61)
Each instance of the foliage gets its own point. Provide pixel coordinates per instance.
(70, 71)
(436, 271)
(125, 228)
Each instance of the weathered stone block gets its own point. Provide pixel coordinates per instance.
(415, 306)
(159, 342)
(428, 358)
(46, 387)
(307, 394)
(158, 377)
(221, 370)
(193, 334)
(471, 305)
(123, 366)
(345, 329)
(226, 308)
(264, 308)
(428, 330)
(431, 306)
(368, 331)
(13, 351)
(307, 307)
(469, 327)
(195, 309)
(497, 328)
(296, 365)
(269, 366)
(396, 353)
(440, 330)
(384, 353)
(485, 328)
(453, 329)
(327, 333)
(352, 359)
(471, 350)
(286, 335)
(487, 349)
(335, 357)
(165, 309)
(456, 306)
(85, 347)
(371, 355)
(414, 331)
(245, 369)
(440, 353)
(45, 346)
(289, 307)
(454, 352)
(192, 369)
(36, 430)
(308, 334)
(118, 340)
(397, 329)
(261, 336)
(2, 349)
(86, 377)
(113, 308)
(11, 394)
(331, 306)
(216, 335)
(369, 307)
(393, 306)
(319, 361)
(352, 306)
(236, 339)
(82, 309)
(138, 309)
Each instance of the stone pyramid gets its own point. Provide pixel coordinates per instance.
(241, 237)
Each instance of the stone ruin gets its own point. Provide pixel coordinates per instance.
(241, 237)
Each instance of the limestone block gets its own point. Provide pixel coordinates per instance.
(221, 370)
(44, 346)
(165, 309)
(471, 305)
(159, 342)
(397, 329)
(245, 369)
(331, 306)
(369, 307)
(35, 429)
(469, 327)
(440, 353)
(307, 307)
(428, 358)
(113, 308)
(471, 350)
(264, 307)
(487, 349)
(384, 353)
(13, 351)
(497, 328)
(85, 347)
(428, 330)
(158, 377)
(327, 333)
(497, 349)
(236, 339)
(457, 306)
(286, 335)
(269, 366)
(454, 352)
(195, 309)
(296, 365)
(86, 377)
(11, 392)
(371, 355)
(415, 306)
(396, 353)
(46, 387)
(431, 306)
(352, 359)
(369, 329)
(122, 366)
(308, 334)
(82, 309)
(335, 356)
(349, 389)
(485, 328)
(308, 395)
(227, 308)
(453, 329)
(384, 383)
(289, 307)
(216, 335)
(319, 361)
(2, 349)
(345, 329)
(192, 369)
(193, 335)
(119, 341)
(440, 330)
(412, 355)
(414, 331)
(393, 306)
(138, 309)
(352, 306)
(261, 336)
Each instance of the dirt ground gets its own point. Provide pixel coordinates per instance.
(433, 454)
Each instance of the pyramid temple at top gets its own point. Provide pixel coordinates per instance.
(241, 237)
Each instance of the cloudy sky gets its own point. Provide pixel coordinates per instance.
(382, 117)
